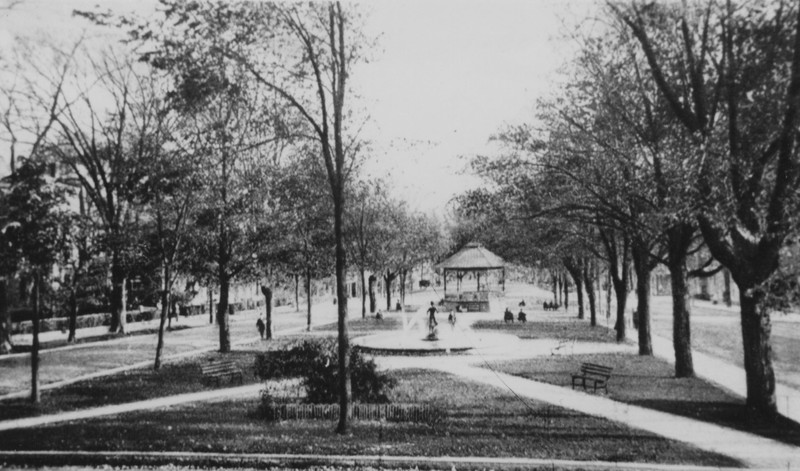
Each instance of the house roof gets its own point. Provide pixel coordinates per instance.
(472, 256)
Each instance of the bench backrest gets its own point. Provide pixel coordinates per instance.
(596, 370)
(219, 367)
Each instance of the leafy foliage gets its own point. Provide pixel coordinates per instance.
(317, 362)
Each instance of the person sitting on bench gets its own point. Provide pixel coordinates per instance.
(522, 317)
(508, 316)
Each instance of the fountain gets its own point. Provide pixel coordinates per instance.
(447, 338)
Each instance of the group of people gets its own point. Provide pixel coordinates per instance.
(508, 316)
(548, 306)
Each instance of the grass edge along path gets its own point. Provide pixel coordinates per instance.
(751, 449)
(286, 460)
(484, 421)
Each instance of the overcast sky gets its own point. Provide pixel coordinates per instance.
(445, 75)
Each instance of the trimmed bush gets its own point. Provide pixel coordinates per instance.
(318, 363)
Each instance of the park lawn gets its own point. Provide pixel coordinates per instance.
(479, 421)
(391, 321)
(650, 382)
(176, 377)
(724, 340)
(579, 330)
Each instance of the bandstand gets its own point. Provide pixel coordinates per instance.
(473, 259)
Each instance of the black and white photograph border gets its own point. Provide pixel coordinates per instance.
(400, 234)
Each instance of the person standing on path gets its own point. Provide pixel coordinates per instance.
(432, 320)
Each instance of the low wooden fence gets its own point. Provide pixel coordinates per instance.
(417, 413)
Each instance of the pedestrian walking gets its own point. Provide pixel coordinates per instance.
(261, 327)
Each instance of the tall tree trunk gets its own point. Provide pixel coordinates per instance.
(35, 397)
(560, 284)
(5, 319)
(555, 288)
(641, 263)
(268, 307)
(565, 284)
(388, 279)
(223, 319)
(210, 304)
(574, 268)
(363, 294)
(297, 292)
(165, 301)
(117, 300)
(73, 315)
(372, 300)
(756, 332)
(402, 282)
(308, 300)
(589, 282)
(679, 239)
(579, 292)
(621, 293)
(681, 316)
(609, 288)
(344, 385)
(726, 293)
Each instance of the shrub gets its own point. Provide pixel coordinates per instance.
(279, 364)
(318, 364)
(266, 408)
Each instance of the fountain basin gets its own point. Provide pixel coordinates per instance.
(449, 341)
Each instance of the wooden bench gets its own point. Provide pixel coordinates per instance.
(597, 375)
(222, 369)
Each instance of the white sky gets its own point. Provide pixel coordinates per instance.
(445, 76)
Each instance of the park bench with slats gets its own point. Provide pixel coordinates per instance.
(218, 370)
(593, 375)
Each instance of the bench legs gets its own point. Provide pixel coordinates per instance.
(596, 384)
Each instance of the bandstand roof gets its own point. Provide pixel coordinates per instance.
(472, 256)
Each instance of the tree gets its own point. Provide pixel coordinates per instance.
(102, 137)
(34, 228)
(730, 74)
(303, 218)
(367, 232)
(313, 63)
(167, 197)
(303, 54)
(30, 100)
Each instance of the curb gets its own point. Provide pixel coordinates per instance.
(261, 461)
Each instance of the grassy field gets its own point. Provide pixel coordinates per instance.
(173, 378)
(650, 382)
(724, 340)
(95, 338)
(546, 329)
(480, 421)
